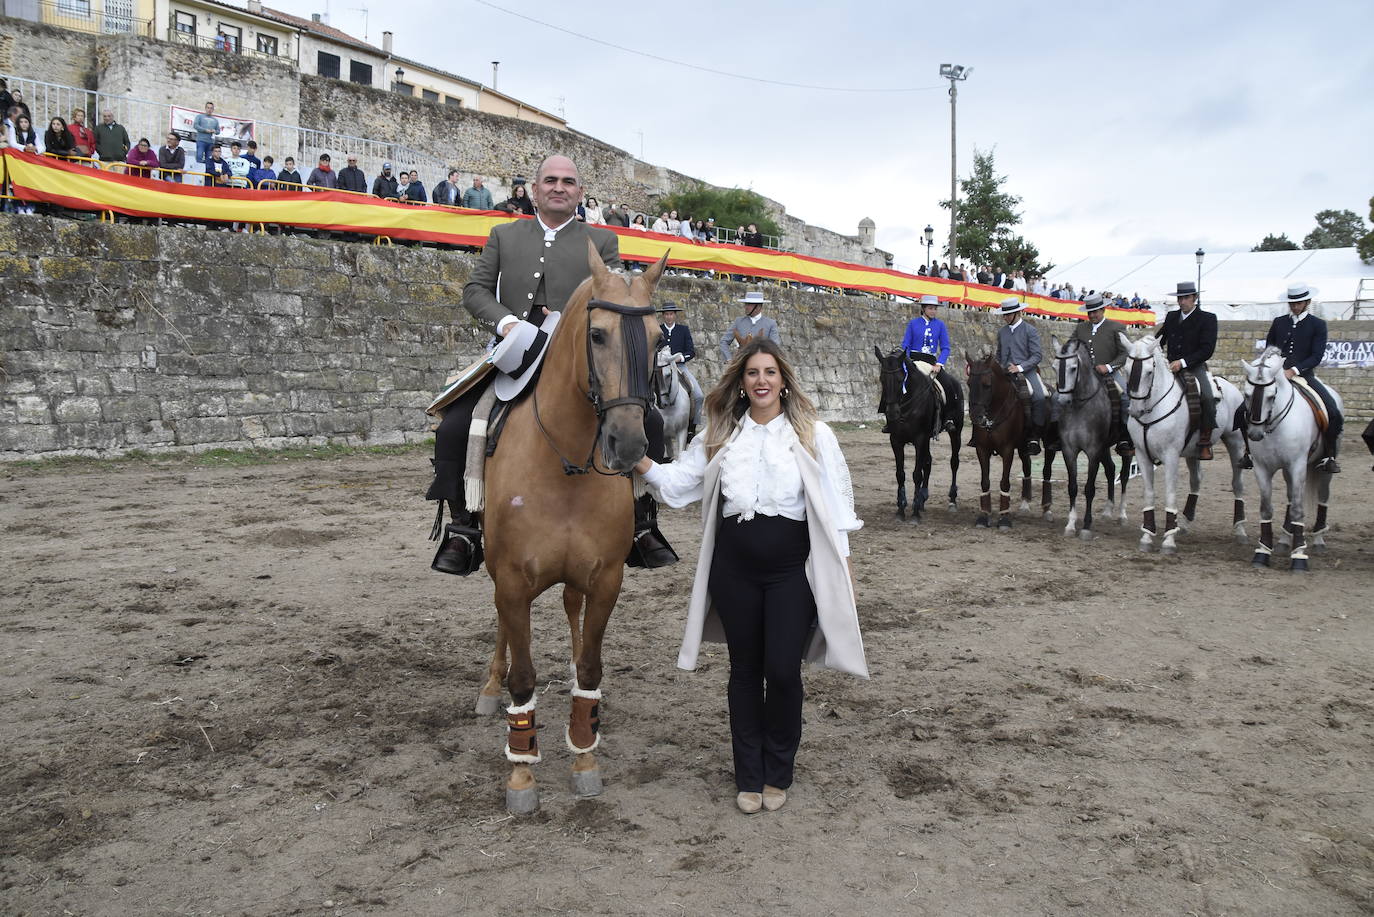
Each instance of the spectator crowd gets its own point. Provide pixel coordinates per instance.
(1017, 281)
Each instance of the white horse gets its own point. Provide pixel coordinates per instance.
(1284, 437)
(673, 396)
(1158, 423)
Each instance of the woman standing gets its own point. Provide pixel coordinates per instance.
(777, 504)
(594, 214)
(83, 135)
(519, 201)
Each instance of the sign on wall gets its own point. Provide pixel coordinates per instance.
(1343, 354)
(230, 129)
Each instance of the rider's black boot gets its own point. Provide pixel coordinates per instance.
(1328, 460)
(649, 548)
(460, 548)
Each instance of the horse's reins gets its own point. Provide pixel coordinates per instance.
(636, 351)
(1060, 371)
(906, 404)
(1257, 404)
(1137, 368)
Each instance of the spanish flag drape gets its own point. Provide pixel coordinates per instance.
(79, 187)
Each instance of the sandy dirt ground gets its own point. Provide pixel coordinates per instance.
(240, 690)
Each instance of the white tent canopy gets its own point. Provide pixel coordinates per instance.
(1235, 285)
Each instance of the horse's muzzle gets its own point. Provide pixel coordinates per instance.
(623, 441)
(1255, 434)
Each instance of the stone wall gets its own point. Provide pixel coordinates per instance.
(47, 53)
(131, 336)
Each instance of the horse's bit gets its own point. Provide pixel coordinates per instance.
(635, 366)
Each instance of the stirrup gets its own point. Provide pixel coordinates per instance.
(1247, 463)
(460, 550)
(1033, 446)
(649, 548)
(1329, 465)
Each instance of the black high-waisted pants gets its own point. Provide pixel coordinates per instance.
(759, 587)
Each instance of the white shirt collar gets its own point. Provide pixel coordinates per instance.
(549, 234)
(755, 317)
(1014, 325)
(748, 422)
(1300, 316)
(1182, 315)
(1098, 324)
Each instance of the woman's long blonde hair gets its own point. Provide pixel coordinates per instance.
(727, 403)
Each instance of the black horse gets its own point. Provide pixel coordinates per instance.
(912, 406)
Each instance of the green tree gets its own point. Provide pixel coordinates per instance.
(731, 207)
(1279, 243)
(1335, 229)
(987, 214)
(1366, 244)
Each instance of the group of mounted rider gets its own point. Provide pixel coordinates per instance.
(1169, 415)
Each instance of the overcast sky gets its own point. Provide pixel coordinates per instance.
(1152, 128)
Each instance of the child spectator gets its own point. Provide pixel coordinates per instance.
(216, 169)
(57, 140)
(289, 176)
(238, 166)
(262, 173)
(252, 155)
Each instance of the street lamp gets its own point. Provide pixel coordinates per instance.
(930, 240)
(400, 77)
(954, 73)
(1199, 255)
(494, 65)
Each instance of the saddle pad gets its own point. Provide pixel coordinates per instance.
(1314, 401)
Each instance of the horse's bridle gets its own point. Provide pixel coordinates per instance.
(1060, 371)
(1257, 404)
(1003, 415)
(906, 400)
(635, 345)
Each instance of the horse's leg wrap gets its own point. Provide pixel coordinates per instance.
(584, 722)
(1288, 520)
(1025, 489)
(1266, 539)
(522, 740)
(1320, 527)
(1170, 522)
(1237, 512)
(1148, 525)
(1190, 507)
(1004, 502)
(985, 501)
(1046, 494)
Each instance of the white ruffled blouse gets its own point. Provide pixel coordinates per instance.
(759, 475)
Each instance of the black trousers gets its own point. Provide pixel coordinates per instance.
(1207, 399)
(759, 587)
(451, 443)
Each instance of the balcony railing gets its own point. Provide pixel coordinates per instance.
(225, 43)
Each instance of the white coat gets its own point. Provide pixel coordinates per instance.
(836, 643)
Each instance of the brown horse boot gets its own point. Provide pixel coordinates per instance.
(584, 723)
(649, 548)
(1204, 445)
(522, 738)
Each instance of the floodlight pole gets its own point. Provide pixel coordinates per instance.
(954, 73)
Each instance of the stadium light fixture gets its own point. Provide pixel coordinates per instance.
(954, 73)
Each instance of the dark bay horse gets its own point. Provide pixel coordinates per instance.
(998, 421)
(911, 418)
(1085, 421)
(559, 508)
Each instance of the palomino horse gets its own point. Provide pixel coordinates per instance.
(1160, 428)
(999, 423)
(911, 417)
(1085, 420)
(548, 520)
(1284, 437)
(674, 399)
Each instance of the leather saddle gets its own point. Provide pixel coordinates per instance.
(1314, 401)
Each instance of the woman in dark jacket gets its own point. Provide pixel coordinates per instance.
(519, 201)
(57, 140)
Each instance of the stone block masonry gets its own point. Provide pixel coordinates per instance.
(140, 337)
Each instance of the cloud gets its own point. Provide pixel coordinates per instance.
(1217, 114)
(1160, 245)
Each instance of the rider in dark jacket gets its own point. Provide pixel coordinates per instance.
(1301, 336)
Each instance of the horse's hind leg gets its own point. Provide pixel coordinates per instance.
(1004, 496)
(489, 698)
(1319, 491)
(1194, 488)
(1264, 476)
(1047, 485)
(584, 721)
(1025, 480)
(522, 743)
(1235, 449)
(954, 442)
(1088, 493)
(1297, 492)
(1071, 474)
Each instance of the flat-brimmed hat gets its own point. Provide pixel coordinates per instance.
(1186, 288)
(753, 297)
(929, 299)
(1297, 292)
(670, 307)
(1009, 305)
(520, 353)
(1093, 303)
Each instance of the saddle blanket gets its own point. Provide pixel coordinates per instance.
(1314, 401)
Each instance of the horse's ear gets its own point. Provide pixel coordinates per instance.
(600, 273)
(652, 273)
(1054, 341)
(1124, 341)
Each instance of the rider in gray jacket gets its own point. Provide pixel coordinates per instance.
(1018, 352)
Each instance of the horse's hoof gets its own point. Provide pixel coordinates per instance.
(1024, 507)
(1048, 516)
(1317, 547)
(1261, 562)
(522, 802)
(1300, 565)
(1240, 538)
(914, 520)
(1168, 549)
(586, 783)
(1144, 547)
(981, 522)
(953, 507)
(1086, 535)
(487, 705)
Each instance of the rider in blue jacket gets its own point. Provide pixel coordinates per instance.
(927, 339)
(1301, 336)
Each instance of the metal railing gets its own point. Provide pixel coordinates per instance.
(224, 44)
(730, 236)
(92, 16)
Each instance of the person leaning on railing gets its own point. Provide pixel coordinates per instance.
(111, 139)
(288, 176)
(57, 140)
(323, 175)
(216, 169)
(83, 135)
(263, 173)
(171, 158)
(141, 159)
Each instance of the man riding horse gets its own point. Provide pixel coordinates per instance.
(1018, 352)
(753, 323)
(1101, 335)
(1190, 338)
(677, 337)
(528, 269)
(927, 339)
(1301, 337)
